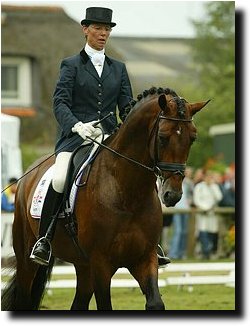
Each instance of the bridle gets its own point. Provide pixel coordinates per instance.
(174, 168)
(158, 167)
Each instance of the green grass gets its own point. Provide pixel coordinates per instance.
(203, 297)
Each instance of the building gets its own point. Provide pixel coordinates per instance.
(224, 141)
(34, 41)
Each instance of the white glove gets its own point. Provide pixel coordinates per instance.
(86, 129)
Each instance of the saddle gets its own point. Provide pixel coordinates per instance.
(77, 176)
(74, 173)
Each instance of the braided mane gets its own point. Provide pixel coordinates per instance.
(153, 91)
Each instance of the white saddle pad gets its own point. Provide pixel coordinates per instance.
(43, 185)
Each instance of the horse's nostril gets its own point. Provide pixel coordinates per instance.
(166, 195)
(171, 197)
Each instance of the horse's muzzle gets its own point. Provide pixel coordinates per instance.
(170, 198)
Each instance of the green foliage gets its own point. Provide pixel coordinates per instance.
(213, 53)
(31, 152)
(29, 155)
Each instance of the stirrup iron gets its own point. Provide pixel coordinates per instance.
(37, 259)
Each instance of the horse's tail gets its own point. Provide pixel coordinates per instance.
(42, 277)
(9, 294)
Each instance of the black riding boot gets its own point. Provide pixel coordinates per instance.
(41, 251)
(162, 259)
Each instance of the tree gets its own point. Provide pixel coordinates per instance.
(213, 52)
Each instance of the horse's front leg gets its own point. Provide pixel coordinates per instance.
(146, 273)
(102, 281)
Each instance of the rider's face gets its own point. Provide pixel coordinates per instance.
(97, 35)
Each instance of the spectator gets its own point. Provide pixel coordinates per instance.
(228, 200)
(198, 176)
(180, 220)
(207, 195)
(228, 189)
(167, 222)
(8, 196)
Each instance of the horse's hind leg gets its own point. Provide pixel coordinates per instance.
(146, 274)
(84, 288)
(30, 278)
(30, 283)
(18, 293)
(25, 275)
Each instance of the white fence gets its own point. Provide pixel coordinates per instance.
(220, 273)
(6, 234)
(224, 273)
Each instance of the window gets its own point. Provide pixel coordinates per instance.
(16, 81)
(9, 81)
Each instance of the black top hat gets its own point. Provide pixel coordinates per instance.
(98, 15)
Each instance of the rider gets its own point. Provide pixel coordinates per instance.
(90, 86)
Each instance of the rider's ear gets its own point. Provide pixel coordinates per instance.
(162, 101)
(196, 107)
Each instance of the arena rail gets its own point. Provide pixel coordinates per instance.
(219, 273)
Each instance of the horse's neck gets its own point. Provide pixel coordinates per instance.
(133, 136)
(132, 141)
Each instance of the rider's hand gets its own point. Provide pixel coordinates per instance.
(86, 129)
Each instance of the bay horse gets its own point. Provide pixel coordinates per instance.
(118, 212)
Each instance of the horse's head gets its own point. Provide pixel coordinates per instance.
(173, 139)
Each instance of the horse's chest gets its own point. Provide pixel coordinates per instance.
(128, 245)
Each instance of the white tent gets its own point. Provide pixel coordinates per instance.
(11, 159)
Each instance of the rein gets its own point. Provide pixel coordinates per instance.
(151, 169)
(175, 168)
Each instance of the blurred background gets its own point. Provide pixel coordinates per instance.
(185, 45)
(188, 46)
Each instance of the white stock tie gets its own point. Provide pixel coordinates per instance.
(98, 60)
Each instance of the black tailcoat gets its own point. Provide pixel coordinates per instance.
(81, 95)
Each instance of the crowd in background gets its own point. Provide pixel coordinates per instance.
(203, 190)
(8, 196)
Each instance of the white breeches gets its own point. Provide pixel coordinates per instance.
(60, 171)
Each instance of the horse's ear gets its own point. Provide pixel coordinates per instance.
(196, 107)
(162, 101)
